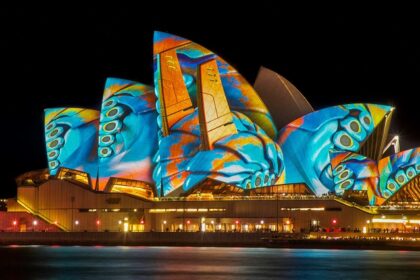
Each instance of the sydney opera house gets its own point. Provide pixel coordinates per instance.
(204, 150)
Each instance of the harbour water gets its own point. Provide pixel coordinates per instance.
(97, 262)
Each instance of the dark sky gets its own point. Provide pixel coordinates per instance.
(61, 57)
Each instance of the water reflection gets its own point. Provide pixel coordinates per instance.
(58, 262)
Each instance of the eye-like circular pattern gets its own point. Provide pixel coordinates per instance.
(366, 120)
(106, 140)
(258, 182)
(338, 169)
(354, 126)
(400, 177)
(111, 127)
(57, 131)
(354, 129)
(391, 186)
(105, 152)
(411, 172)
(111, 102)
(114, 112)
(346, 184)
(53, 154)
(418, 167)
(53, 164)
(257, 179)
(345, 142)
(50, 126)
(343, 175)
(55, 144)
(386, 193)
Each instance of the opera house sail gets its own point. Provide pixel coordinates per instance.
(203, 129)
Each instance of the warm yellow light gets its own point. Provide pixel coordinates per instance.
(125, 227)
(392, 221)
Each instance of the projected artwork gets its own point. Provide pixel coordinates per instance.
(247, 159)
(354, 172)
(397, 170)
(240, 94)
(128, 132)
(203, 128)
(71, 139)
(209, 141)
(380, 179)
(307, 141)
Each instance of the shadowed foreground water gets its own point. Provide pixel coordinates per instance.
(55, 262)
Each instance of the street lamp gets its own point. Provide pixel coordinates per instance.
(14, 225)
(34, 223)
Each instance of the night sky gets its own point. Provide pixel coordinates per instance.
(62, 58)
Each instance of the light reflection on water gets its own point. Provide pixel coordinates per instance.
(76, 262)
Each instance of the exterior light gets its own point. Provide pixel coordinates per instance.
(119, 222)
(236, 222)
(364, 230)
(142, 222)
(35, 222)
(76, 222)
(314, 222)
(334, 221)
(212, 222)
(262, 222)
(164, 222)
(14, 223)
(98, 222)
(368, 221)
(287, 222)
(125, 219)
(188, 222)
(55, 222)
(135, 210)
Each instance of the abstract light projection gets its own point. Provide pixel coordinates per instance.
(380, 179)
(209, 141)
(240, 94)
(71, 139)
(396, 171)
(306, 142)
(128, 132)
(202, 120)
(354, 172)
